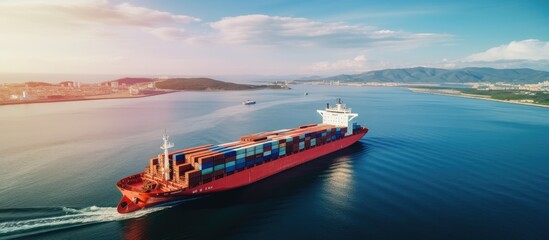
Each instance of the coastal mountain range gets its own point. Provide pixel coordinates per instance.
(439, 75)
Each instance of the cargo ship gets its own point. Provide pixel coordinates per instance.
(206, 169)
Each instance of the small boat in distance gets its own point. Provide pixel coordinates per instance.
(248, 102)
(306, 93)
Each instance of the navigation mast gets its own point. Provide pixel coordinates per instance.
(167, 145)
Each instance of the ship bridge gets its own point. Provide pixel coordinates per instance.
(340, 116)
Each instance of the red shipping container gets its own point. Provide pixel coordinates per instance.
(205, 159)
(195, 181)
(193, 173)
(193, 158)
(183, 167)
(219, 161)
(206, 176)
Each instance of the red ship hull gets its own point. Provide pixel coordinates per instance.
(134, 198)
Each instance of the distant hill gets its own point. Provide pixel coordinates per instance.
(203, 84)
(132, 81)
(439, 75)
(38, 84)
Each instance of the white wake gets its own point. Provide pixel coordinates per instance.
(73, 217)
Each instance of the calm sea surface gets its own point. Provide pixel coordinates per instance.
(431, 167)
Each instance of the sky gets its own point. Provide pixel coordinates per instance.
(269, 38)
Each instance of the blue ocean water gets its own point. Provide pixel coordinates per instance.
(431, 167)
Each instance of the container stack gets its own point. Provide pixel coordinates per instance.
(356, 127)
(199, 165)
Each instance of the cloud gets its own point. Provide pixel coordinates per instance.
(28, 16)
(529, 53)
(59, 35)
(56, 15)
(530, 49)
(274, 30)
(357, 64)
(99, 12)
(170, 33)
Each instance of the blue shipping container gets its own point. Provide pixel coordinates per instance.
(230, 154)
(240, 165)
(219, 167)
(207, 165)
(179, 156)
(207, 170)
(250, 153)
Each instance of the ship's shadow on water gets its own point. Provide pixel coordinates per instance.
(238, 210)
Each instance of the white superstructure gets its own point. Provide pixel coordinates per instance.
(339, 115)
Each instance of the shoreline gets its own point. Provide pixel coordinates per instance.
(460, 94)
(90, 98)
(80, 99)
